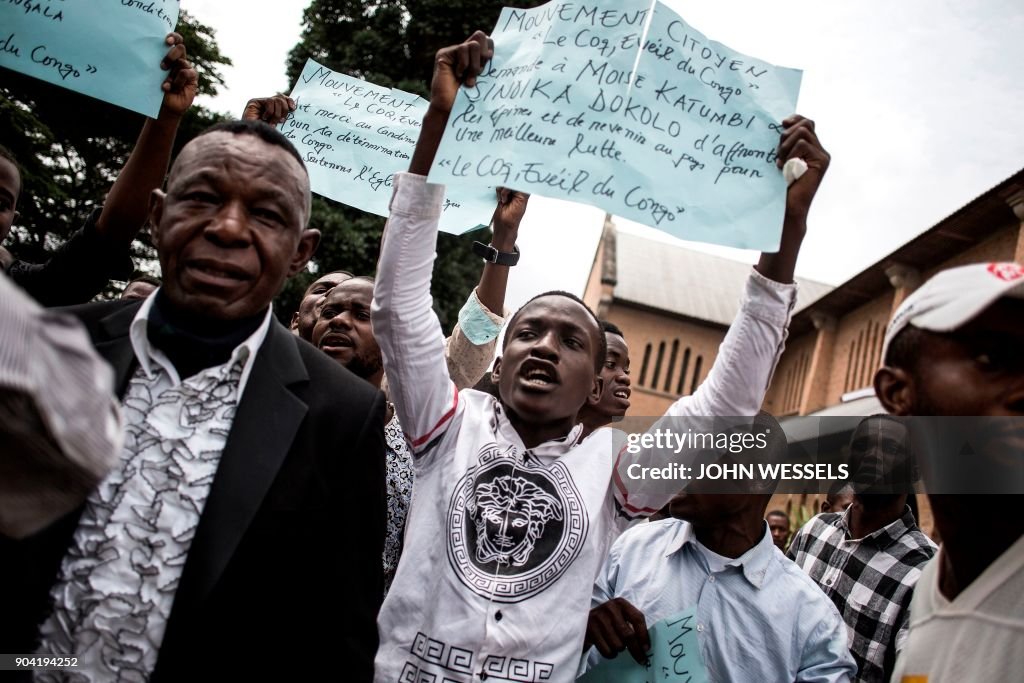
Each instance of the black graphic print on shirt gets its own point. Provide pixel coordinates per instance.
(514, 525)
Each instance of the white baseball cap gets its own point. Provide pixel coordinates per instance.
(951, 298)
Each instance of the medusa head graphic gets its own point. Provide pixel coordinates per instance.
(510, 513)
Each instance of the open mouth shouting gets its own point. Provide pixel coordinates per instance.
(336, 343)
(538, 375)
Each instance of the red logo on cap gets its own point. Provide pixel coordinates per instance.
(1006, 271)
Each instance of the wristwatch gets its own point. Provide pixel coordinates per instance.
(492, 255)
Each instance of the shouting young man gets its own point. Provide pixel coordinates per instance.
(513, 512)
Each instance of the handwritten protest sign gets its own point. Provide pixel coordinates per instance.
(623, 105)
(674, 656)
(354, 136)
(107, 49)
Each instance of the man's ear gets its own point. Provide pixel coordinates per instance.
(595, 392)
(294, 324)
(496, 370)
(156, 212)
(895, 389)
(308, 242)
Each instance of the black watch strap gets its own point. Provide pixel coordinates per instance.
(492, 255)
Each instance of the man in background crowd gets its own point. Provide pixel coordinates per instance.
(868, 558)
(615, 390)
(778, 524)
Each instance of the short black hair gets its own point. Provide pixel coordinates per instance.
(777, 513)
(611, 328)
(263, 131)
(602, 343)
(904, 347)
(6, 154)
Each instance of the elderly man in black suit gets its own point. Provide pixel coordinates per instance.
(249, 501)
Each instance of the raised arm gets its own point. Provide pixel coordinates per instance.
(738, 380)
(474, 338)
(127, 205)
(404, 322)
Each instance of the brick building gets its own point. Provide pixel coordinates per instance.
(674, 305)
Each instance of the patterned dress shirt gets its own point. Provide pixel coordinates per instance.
(116, 585)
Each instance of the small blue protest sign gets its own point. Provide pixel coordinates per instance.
(624, 106)
(674, 656)
(354, 136)
(107, 49)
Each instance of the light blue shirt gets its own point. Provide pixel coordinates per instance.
(759, 619)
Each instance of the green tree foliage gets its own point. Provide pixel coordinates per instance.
(391, 43)
(70, 147)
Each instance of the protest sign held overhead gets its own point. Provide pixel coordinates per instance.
(354, 136)
(624, 106)
(107, 49)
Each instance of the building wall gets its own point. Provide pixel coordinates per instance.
(999, 247)
(687, 350)
(592, 293)
(858, 347)
(788, 383)
(856, 351)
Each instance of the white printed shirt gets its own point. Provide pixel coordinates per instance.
(503, 543)
(117, 583)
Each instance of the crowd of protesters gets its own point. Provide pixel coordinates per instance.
(189, 490)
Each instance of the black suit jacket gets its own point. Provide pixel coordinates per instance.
(285, 568)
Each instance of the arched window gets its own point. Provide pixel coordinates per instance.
(682, 372)
(657, 366)
(849, 368)
(671, 365)
(643, 366)
(696, 374)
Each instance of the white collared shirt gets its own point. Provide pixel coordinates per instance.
(759, 617)
(152, 359)
(117, 583)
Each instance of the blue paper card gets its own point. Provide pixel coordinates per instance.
(107, 49)
(674, 657)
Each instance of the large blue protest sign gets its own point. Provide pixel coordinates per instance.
(624, 106)
(674, 656)
(354, 136)
(107, 49)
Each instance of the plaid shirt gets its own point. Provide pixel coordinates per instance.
(870, 580)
